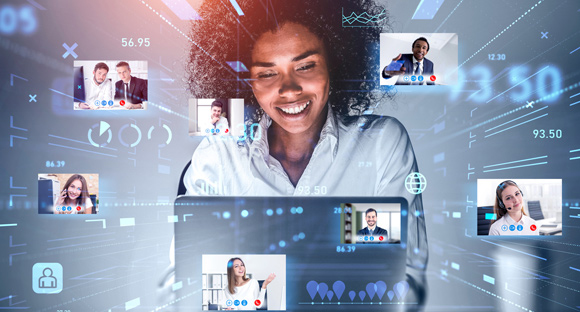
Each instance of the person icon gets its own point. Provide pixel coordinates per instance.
(47, 280)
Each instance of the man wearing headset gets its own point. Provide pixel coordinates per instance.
(509, 210)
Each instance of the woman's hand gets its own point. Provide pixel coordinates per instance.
(61, 198)
(269, 280)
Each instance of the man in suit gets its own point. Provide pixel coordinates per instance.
(415, 64)
(132, 91)
(372, 230)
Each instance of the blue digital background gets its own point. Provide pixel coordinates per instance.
(518, 72)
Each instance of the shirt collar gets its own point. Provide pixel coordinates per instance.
(511, 221)
(415, 61)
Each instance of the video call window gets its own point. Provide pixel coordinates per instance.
(220, 117)
(68, 193)
(519, 207)
(369, 223)
(244, 282)
(415, 59)
(112, 85)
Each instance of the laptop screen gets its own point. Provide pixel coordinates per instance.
(313, 253)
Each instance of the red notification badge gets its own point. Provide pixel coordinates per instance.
(533, 227)
(433, 78)
(78, 208)
(381, 238)
(257, 302)
(122, 103)
(227, 130)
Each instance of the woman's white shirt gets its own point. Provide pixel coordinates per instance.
(247, 293)
(370, 156)
(507, 226)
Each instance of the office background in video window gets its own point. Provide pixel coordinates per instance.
(542, 202)
(443, 52)
(200, 115)
(353, 220)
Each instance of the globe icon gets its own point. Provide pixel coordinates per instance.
(415, 183)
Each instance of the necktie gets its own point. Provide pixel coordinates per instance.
(417, 73)
(126, 87)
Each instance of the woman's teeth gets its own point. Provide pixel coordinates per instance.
(296, 110)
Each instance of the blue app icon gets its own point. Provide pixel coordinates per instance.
(420, 78)
(520, 228)
(47, 278)
(413, 78)
(97, 102)
(504, 228)
(366, 238)
(104, 103)
(372, 238)
(512, 227)
(217, 130)
(229, 303)
(207, 130)
(406, 78)
(244, 303)
(69, 208)
(237, 303)
(212, 130)
(111, 102)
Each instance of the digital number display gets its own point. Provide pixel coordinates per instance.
(547, 134)
(128, 42)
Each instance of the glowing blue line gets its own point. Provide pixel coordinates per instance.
(445, 20)
(237, 7)
(574, 207)
(525, 253)
(82, 150)
(575, 50)
(575, 95)
(577, 150)
(575, 217)
(81, 244)
(11, 224)
(516, 119)
(546, 114)
(574, 103)
(575, 269)
(574, 158)
(499, 34)
(55, 136)
(515, 161)
(517, 84)
(536, 164)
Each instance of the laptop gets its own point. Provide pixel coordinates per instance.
(311, 244)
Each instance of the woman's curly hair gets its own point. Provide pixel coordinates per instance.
(222, 37)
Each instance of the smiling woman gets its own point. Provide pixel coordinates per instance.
(75, 193)
(308, 82)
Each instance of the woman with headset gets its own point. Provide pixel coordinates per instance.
(509, 211)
